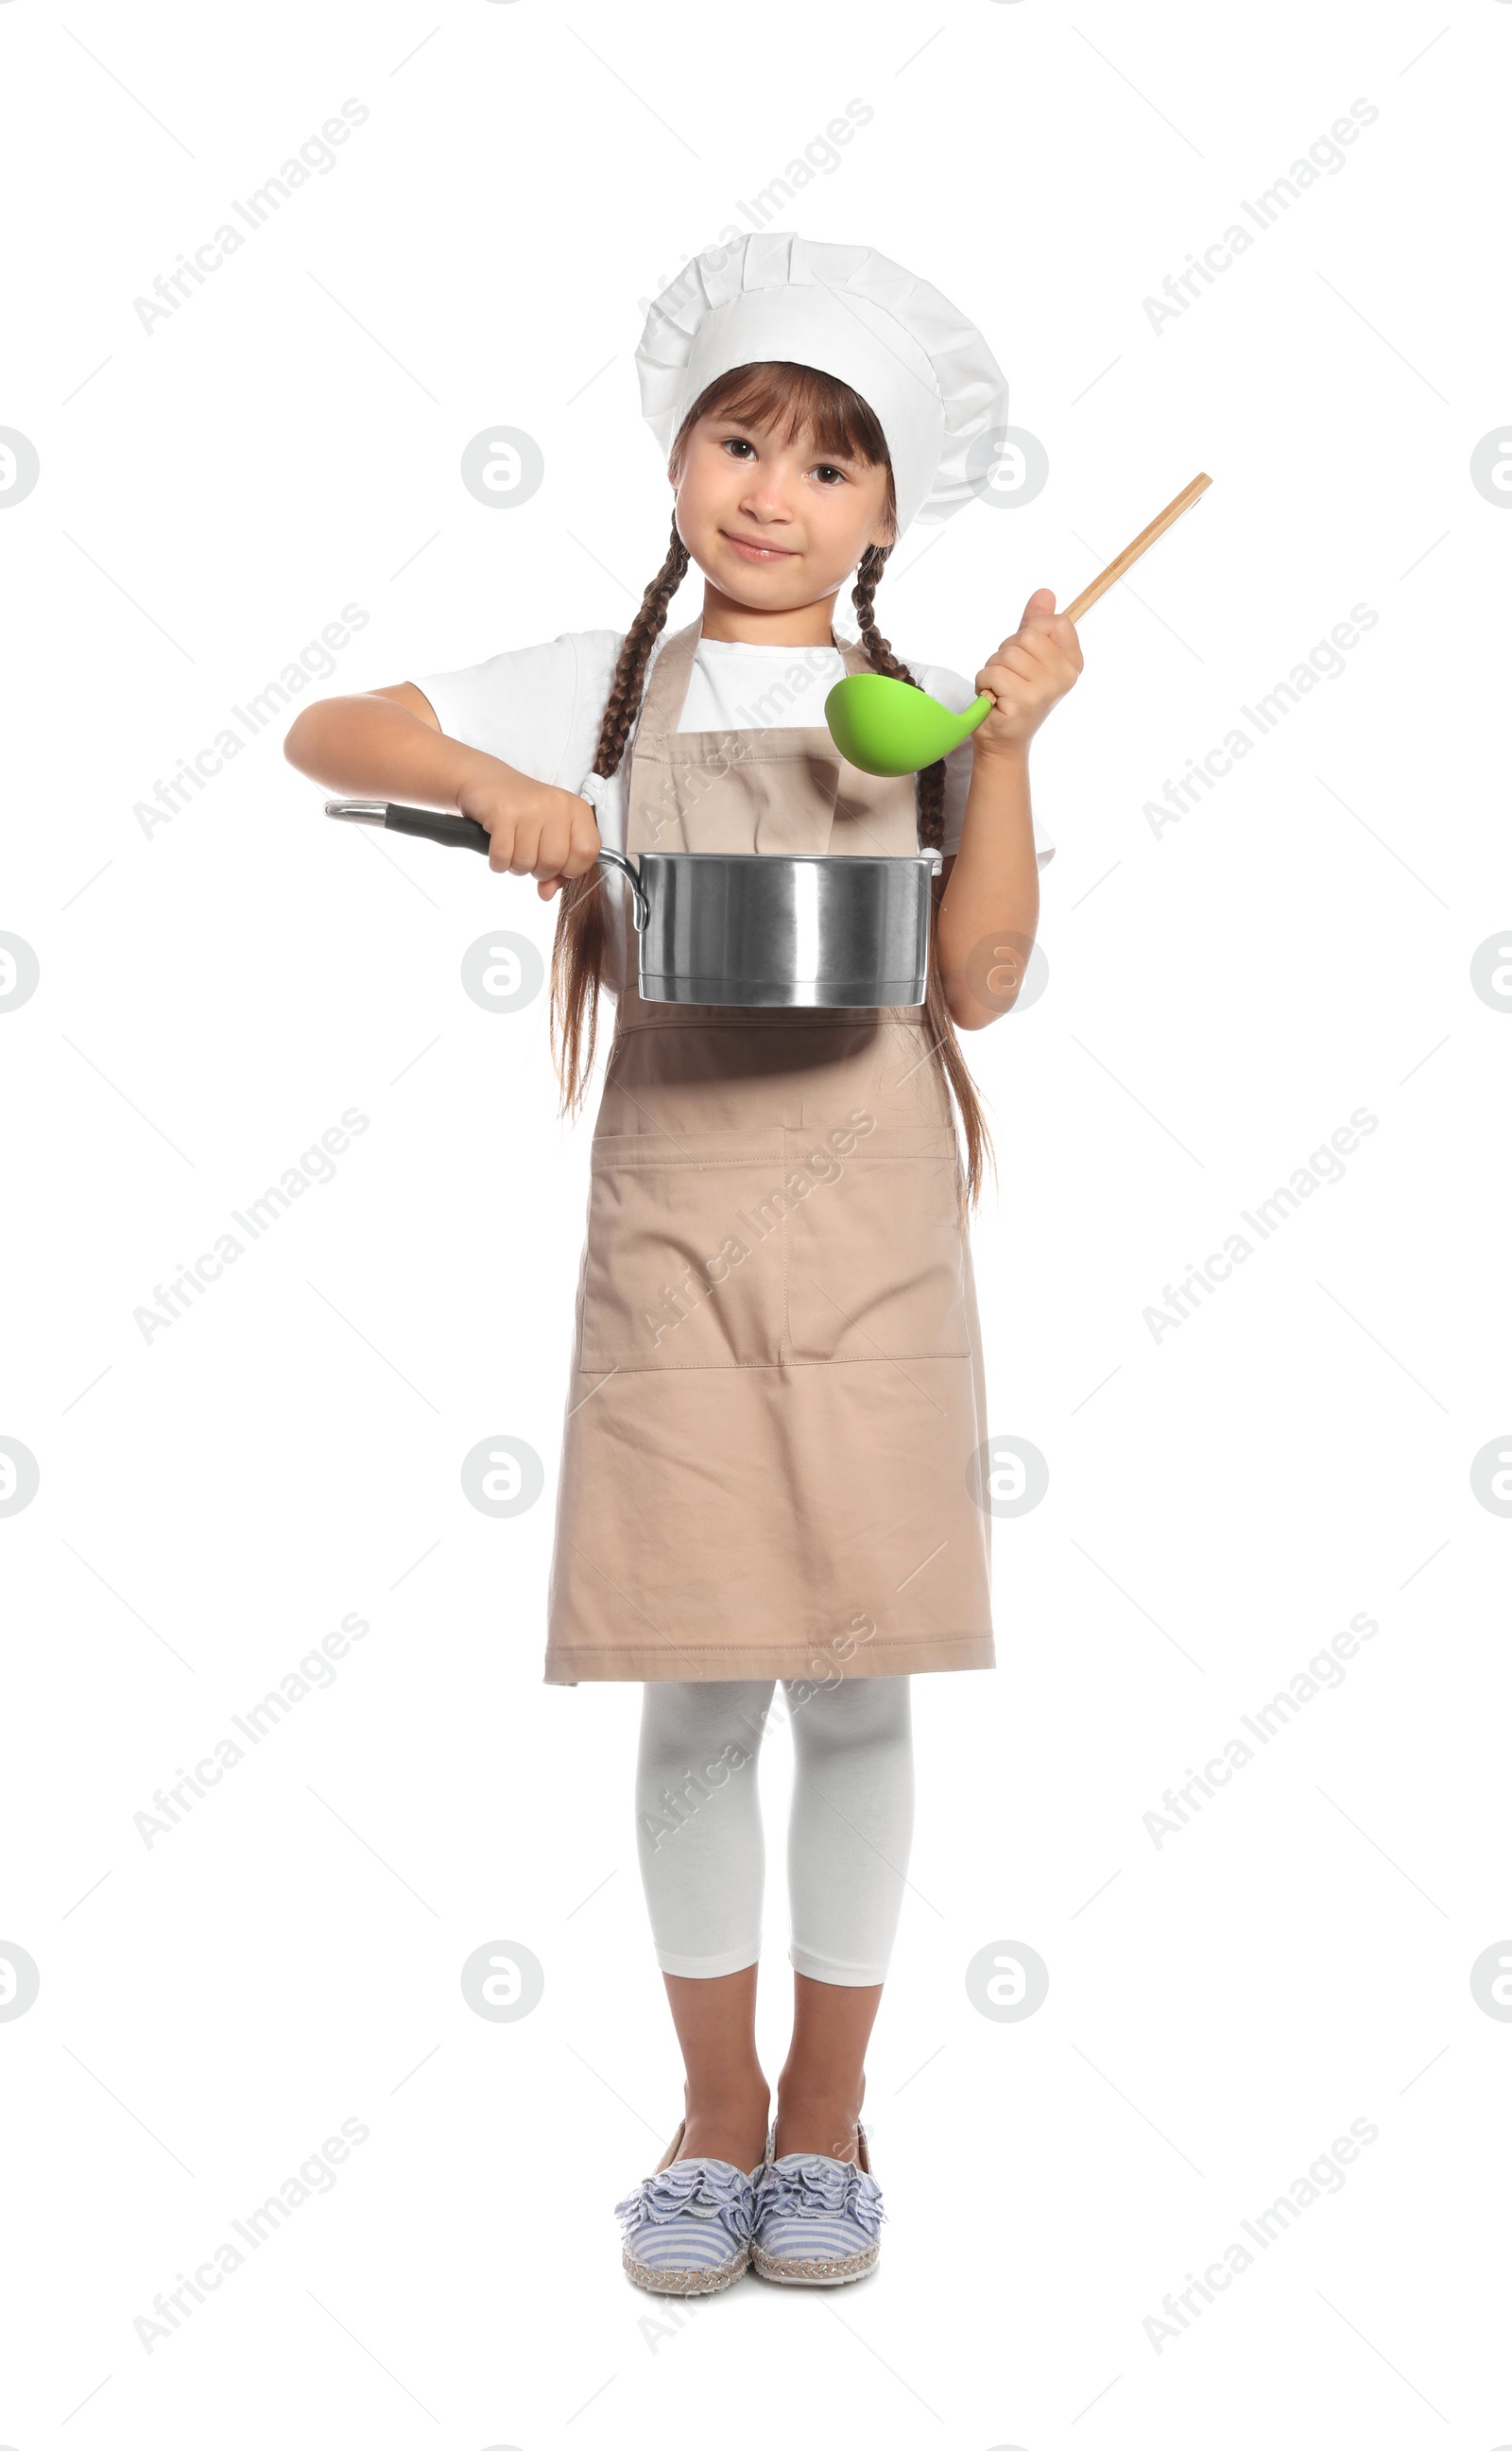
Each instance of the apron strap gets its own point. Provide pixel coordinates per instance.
(662, 707)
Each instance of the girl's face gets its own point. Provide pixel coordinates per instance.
(774, 525)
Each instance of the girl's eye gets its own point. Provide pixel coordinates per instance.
(826, 470)
(737, 443)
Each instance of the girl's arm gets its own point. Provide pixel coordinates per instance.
(989, 903)
(387, 745)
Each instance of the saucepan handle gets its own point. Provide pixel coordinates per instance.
(464, 834)
(436, 825)
(616, 859)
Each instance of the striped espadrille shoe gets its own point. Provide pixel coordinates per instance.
(817, 2219)
(687, 2226)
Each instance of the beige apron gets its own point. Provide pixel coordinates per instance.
(777, 1394)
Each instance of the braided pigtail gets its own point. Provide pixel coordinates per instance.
(577, 950)
(930, 799)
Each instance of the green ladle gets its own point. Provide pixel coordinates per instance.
(887, 727)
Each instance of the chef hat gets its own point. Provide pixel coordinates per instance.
(926, 373)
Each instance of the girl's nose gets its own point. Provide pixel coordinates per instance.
(765, 499)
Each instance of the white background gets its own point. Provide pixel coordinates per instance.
(1221, 996)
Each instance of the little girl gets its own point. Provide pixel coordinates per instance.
(771, 1458)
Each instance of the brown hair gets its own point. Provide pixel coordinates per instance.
(792, 400)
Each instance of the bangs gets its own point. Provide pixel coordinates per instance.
(797, 404)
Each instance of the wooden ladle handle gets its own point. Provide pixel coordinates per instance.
(1142, 544)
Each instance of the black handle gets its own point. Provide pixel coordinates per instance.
(437, 825)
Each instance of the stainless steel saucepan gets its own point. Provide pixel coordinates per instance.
(749, 928)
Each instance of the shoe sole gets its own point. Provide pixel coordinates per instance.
(684, 2282)
(815, 2272)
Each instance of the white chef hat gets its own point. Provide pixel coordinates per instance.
(926, 372)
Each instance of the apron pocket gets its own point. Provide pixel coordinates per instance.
(879, 1266)
(686, 1266)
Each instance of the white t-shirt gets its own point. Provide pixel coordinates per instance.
(540, 710)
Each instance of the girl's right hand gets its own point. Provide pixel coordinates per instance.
(535, 829)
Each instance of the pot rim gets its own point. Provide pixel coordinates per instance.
(798, 859)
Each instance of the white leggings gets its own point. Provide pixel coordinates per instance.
(699, 1819)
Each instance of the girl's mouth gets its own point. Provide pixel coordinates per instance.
(756, 552)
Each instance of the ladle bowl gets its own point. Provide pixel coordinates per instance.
(887, 727)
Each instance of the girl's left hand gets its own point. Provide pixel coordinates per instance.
(1027, 674)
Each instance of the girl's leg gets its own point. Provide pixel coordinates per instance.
(698, 1819)
(848, 1854)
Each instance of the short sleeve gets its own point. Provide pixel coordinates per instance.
(958, 694)
(537, 708)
